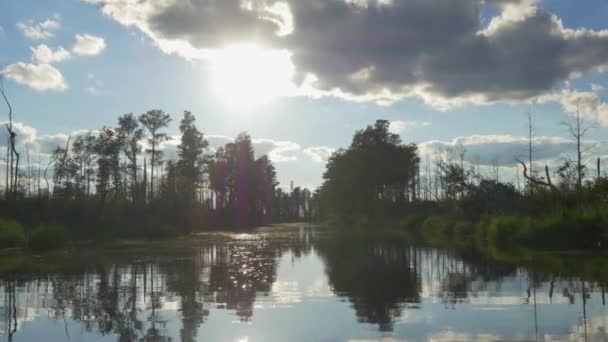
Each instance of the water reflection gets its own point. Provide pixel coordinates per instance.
(280, 285)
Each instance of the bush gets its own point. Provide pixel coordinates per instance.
(581, 227)
(437, 229)
(160, 231)
(47, 237)
(506, 230)
(463, 230)
(12, 234)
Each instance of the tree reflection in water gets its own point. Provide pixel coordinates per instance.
(171, 295)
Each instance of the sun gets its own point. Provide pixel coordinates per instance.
(249, 76)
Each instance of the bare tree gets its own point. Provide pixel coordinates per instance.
(530, 129)
(14, 155)
(577, 133)
(533, 180)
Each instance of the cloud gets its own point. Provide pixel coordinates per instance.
(216, 141)
(589, 103)
(88, 45)
(371, 50)
(25, 134)
(502, 149)
(44, 144)
(399, 126)
(43, 54)
(319, 154)
(39, 31)
(36, 76)
(277, 151)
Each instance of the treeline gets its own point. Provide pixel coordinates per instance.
(379, 181)
(118, 182)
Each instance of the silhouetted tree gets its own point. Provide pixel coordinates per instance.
(130, 136)
(154, 121)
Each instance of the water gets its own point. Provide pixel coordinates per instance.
(299, 285)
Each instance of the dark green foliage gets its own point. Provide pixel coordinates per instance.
(376, 180)
(161, 231)
(244, 187)
(506, 230)
(48, 237)
(12, 234)
(97, 188)
(490, 197)
(374, 177)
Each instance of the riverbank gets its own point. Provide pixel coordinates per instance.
(559, 229)
(584, 227)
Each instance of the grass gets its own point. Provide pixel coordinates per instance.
(12, 234)
(48, 237)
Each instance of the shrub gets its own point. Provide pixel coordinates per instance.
(12, 234)
(47, 237)
(437, 228)
(463, 230)
(160, 231)
(580, 227)
(506, 230)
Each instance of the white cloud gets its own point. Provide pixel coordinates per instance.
(217, 140)
(319, 154)
(88, 45)
(502, 149)
(589, 103)
(277, 151)
(399, 126)
(36, 76)
(597, 87)
(39, 31)
(43, 54)
(379, 50)
(44, 144)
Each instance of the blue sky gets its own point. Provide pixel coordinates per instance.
(135, 72)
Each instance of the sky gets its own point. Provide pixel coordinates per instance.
(302, 76)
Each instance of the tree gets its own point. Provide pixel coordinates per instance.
(66, 171)
(577, 133)
(243, 180)
(107, 147)
(83, 149)
(130, 136)
(377, 173)
(530, 129)
(14, 155)
(191, 152)
(153, 121)
(266, 182)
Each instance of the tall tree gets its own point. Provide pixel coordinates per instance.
(191, 151)
(14, 155)
(154, 121)
(107, 147)
(577, 132)
(83, 149)
(376, 173)
(130, 135)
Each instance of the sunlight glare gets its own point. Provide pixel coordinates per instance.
(247, 75)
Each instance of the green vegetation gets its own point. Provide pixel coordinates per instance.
(12, 234)
(378, 181)
(48, 237)
(45, 237)
(118, 183)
